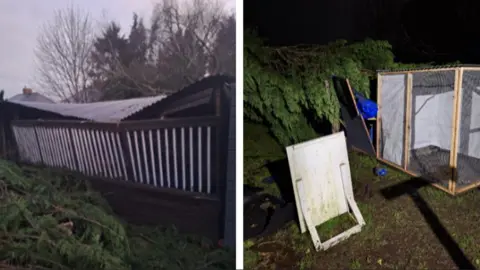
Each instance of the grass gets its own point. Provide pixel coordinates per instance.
(397, 235)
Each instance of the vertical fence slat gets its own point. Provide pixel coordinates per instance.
(46, 137)
(97, 161)
(130, 150)
(53, 146)
(60, 148)
(78, 150)
(138, 159)
(103, 154)
(200, 159)
(67, 140)
(184, 171)
(190, 133)
(91, 153)
(99, 150)
(48, 147)
(209, 181)
(152, 157)
(175, 167)
(21, 145)
(145, 159)
(121, 147)
(111, 159)
(42, 159)
(33, 144)
(167, 158)
(88, 159)
(81, 155)
(26, 142)
(41, 144)
(160, 159)
(18, 142)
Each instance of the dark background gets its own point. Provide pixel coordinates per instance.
(419, 30)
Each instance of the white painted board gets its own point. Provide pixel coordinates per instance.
(322, 184)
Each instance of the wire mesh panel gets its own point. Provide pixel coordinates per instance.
(392, 111)
(431, 118)
(468, 153)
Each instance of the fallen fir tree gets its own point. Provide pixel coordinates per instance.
(289, 89)
(52, 220)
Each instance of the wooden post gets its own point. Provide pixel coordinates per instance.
(454, 132)
(379, 115)
(408, 115)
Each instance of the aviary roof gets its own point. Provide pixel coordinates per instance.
(106, 111)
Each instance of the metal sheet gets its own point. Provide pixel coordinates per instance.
(107, 111)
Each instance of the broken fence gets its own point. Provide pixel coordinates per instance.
(174, 153)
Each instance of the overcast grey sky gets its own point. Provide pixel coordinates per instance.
(20, 22)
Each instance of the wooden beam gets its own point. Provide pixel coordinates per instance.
(457, 101)
(408, 114)
(416, 71)
(379, 115)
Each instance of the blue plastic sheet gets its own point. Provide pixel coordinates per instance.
(367, 108)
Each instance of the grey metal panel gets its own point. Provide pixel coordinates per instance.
(107, 111)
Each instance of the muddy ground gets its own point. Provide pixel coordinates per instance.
(410, 225)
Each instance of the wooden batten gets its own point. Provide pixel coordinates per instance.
(416, 71)
(396, 166)
(379, 115)
(471, 68)
(408, 115)
(455, 124)
(475, 184)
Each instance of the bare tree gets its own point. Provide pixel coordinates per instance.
(62, 55)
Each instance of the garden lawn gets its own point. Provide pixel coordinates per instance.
(401, 232)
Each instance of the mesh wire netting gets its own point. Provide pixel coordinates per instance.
(392, 113)
(468, 154)
(431, 125)
(431, 114)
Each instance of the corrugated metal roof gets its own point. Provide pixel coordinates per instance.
(428, 67)
(107, 111)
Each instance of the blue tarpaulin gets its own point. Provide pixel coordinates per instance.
(367, 108)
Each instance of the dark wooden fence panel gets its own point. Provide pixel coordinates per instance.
(162, 153)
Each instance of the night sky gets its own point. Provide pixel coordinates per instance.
(419, 30)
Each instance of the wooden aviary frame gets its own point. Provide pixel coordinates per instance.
(428, 127)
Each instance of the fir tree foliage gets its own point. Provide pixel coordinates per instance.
(56, 223)
(52, 219)
(282, 85)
